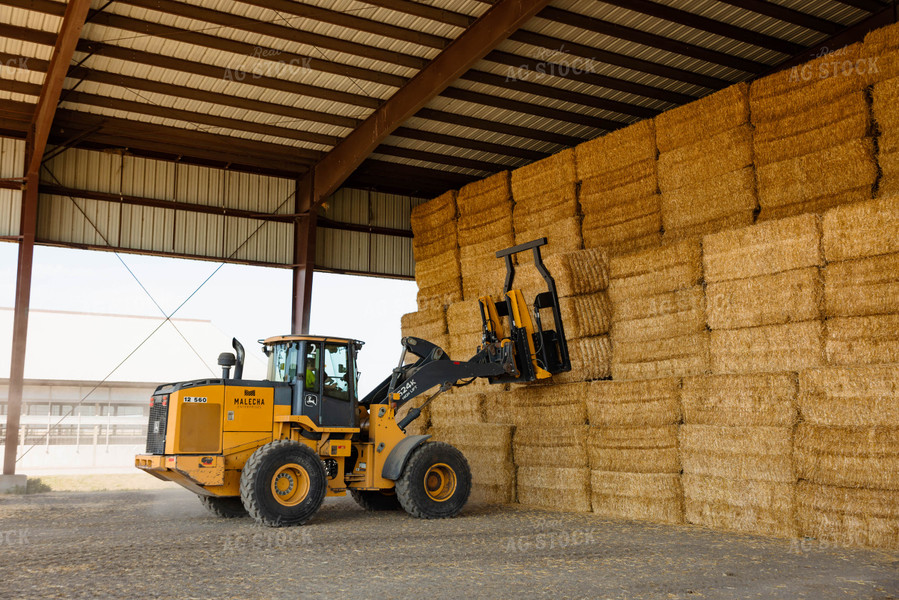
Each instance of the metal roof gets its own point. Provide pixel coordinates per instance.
(277, 83)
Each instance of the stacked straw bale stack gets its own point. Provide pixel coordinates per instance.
(764, 296)
(488, 448)
(736, 452)
(705, 165)
(880, 66)
(553, 418)
(847, 454)
(619, 193)
(635, 469)
(485, 226)
(813, 136)
(658, 313)
(429, 323)
(435, 246)
(545, 196)
(861, 289)
(581, 278)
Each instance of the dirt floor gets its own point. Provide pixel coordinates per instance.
(162, 544)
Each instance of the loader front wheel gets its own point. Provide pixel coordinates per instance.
(228, 507)
(283, 483)
(376, 500)
(435, 483)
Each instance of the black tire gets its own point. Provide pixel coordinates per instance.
(375, 500)
(435, 483)
(228, 507)
(283, 483)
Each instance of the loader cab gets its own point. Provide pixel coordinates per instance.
(322, 374)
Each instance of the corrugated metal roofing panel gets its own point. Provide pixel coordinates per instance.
(199, 185)
(260, 241)
(482, 135)
(260, 193)
(391, 210)
(392, 256)
(78, 221)
(454, 151)
(342, 250)
(199, 234)
(12, 164)
(86, 170)
(148, 178)
(348, 206)
(430, 165)
(147, 228)
(10, 211)
(12, 157)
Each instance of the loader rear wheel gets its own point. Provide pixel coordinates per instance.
(229, 507)
(283, 484)
(376, 500)
(435, 483)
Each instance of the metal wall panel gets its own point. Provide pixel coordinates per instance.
(85, 170)
(392, 255)
(12, 164)
(77, 221)
(148, 178)
(147, 228)
(10, 211)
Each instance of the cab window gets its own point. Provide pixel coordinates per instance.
(282, 365)
(311, 380)
(336, 372)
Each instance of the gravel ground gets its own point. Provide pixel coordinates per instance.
(162, 544)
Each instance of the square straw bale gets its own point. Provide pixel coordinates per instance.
(492, 440)
(863, 229)
(737, 220)
(434, 214)
(606, 190)
(660, 349)
(889, 181)
(676, 357)
(634, 449)
(867, 286)
(552, 406)
(488, 281)
(885, 97)
(464, 317)
(660, 316)
(540, 211)
(758, 507)
(842, 119)
(729, 199)
(654, 497)
(647, 403)
(555, 488)
(784, 297)
(806, 86)
(591, 358)
(763, 249)
(848, 516)
(703, 118)
(475, 258)
(483, 230)
(562, 236)
(497, 405)
(764, 400)
(768, 349)
(881, 46)
(440, 268)
(576, 273)
(710, 157)
(424, 323)
(539, 177)
(862, 340)
(758, 453)
(818, 181)
(456, 408)
(482, 493)
(848, 456)
(655, 271)
(463, 346)
(440, 294)
(583, 316)
(617, 150)
(641, 233)
(865, 396)
(535, 446)
(492, 190)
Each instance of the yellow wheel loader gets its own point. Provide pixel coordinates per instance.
(274, 449)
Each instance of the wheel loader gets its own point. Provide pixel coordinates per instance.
(274, 449)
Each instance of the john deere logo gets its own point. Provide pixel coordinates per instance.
(310, 400)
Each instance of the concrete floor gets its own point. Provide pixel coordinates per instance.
(162, 544)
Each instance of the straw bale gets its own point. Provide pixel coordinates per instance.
(763, 249)
(608, 190)
(704, 159)
(492, 494)
(737, 220)
(889, 181)
(616, 151)
(848, 516)
(576, 273)
(885, 96)
(863, 340)
(731, 195)
(464, 317)
(539, 177)
(440, 294)
(424, 323)
(758, 453)
(537, 212)
(818, 205)
(484, 230)
(457, 407)
(867, 286)
(846, 456)
(488, 281)
(804, 87)
(434, 214)
(634, 449)
(493, 190)
(866, 396)
(654, 271)
(482, 255)
(655, 497)
(768, 349)
(420, 425)
(497, 404)
(462, 346)
(491, 440)
(549, 405)
(758, 507)
(536, 446)
(676, 357)
(440, 268)
(584, 316)
(648, 403)
(784, 297)
(660, 316)
(863, 229)
(880, 48)
(562, 236)
(819, 180)
(703, 118)
(556, 488)
(650, 350)
(625, 238)
(840, 120)
(765, 400)
(591, 358)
